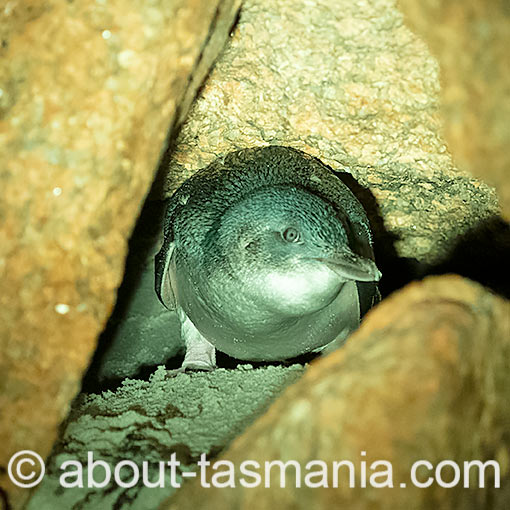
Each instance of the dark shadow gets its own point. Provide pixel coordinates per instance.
(225, 361)
(483, 255)
(4, 501)
(148, 227)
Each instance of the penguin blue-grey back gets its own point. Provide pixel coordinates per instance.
(266, 255)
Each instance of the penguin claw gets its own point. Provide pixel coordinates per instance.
(190, 368)
(175, 372)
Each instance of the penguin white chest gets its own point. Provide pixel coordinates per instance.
(301, 290)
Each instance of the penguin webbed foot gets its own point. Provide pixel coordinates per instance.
(194, 366)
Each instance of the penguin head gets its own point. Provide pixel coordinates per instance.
(292, 247)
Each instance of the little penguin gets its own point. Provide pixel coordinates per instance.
(267, 255)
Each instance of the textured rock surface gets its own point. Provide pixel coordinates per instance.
(427, 376)
(349, 83)
(88, 91)
(148, 421)
(470, 40)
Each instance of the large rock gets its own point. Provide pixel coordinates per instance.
(426, 377)
(87, 95)
(470, 40)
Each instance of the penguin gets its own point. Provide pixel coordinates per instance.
(267, 255)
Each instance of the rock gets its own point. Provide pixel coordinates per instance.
(149, 421)
(349, 83)
(426, 377)
(470, 41)
(88, 91)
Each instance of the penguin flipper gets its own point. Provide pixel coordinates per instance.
(163, 263)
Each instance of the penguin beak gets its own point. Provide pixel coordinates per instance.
(350, 266)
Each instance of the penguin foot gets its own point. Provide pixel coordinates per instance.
(196, 366)
(200, 354)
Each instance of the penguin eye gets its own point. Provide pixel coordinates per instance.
(291, 235)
